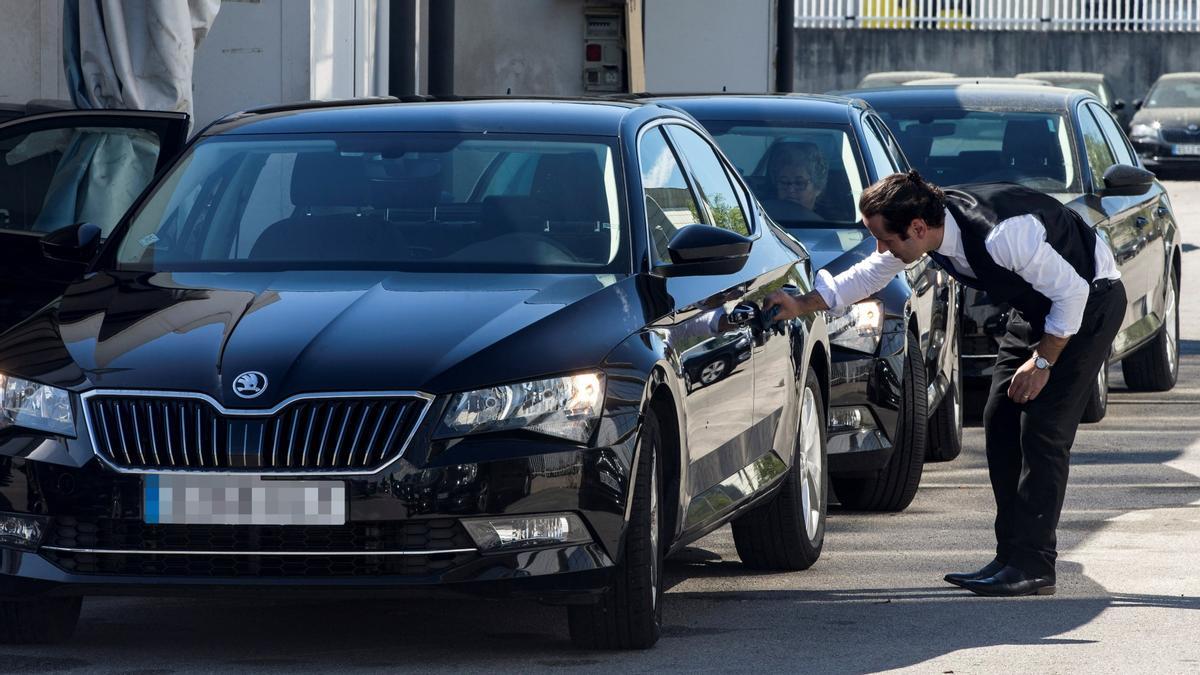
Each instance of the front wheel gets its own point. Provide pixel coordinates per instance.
(1097, 403)
(787, 532)
(629, 614)
(893, 487)
(946, 424)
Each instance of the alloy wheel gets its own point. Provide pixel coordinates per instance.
(713, 371)
(810, 464)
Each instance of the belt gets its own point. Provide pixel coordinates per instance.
(1101, 285)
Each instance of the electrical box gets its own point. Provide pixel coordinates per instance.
(604, 49)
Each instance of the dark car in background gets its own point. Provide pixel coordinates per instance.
(1166, 128)
(1066, 143)
(1095, 83)
(378, 347)
(896, 397)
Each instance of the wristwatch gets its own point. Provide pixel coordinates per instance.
(1041, 363)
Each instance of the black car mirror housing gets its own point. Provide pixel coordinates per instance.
(1122, 180)
(703, 249)
(74, 243)
(1118, 105)
(1137, 103)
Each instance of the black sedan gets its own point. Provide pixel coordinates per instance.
(1166, 128)
(896, 397)
(1066, 143)
(381, 346)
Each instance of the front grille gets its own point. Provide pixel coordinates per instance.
(336, 434)
(312, 547)
(1180, 136)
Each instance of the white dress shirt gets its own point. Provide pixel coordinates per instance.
(1017, 244)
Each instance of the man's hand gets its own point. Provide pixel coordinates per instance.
(1028, 382)
(791, 306)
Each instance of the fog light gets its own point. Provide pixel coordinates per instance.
(850, 419)
(493, 534)
(22, 531)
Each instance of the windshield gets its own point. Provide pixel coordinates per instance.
(1175, 94)
(419, 201)
(954, 146)
(804, 176)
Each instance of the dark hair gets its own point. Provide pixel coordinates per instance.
(901, 198)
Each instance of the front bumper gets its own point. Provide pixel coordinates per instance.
(1159, 154)
(869, 384)
(403, 527)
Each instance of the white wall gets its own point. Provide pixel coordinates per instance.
(31, 35)
(704, 45)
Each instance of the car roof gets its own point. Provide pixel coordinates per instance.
(1062, 75)
(818, 108)
(976, 97)
(585, 117)
(1021, 82)
(1180, 76)
(896, 74)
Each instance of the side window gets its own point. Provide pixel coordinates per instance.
(716, 190)
(1099, 157)
(670, 205)
(877, 154)
(56, 177)
(1116, 139)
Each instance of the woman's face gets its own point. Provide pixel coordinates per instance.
(795, 184)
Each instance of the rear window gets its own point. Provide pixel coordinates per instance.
(439, 202)
(953, 146)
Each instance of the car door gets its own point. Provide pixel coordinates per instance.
(1153, 222)
(1121, 223)
(60, 168)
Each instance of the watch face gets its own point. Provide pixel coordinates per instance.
(1041, 363)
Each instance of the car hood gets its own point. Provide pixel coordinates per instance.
(1168, 117)
(321, 331)
(835, 248)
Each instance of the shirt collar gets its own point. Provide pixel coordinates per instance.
(951, 238)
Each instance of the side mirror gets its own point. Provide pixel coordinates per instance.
(703, 249)
(1137, 103)
(74, 243)
(1122, 180)
(1118, 104)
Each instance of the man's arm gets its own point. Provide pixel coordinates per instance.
(831, 292)
(1019, 244)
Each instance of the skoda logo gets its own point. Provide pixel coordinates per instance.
(250, 385)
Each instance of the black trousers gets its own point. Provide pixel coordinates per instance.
(1029, 445)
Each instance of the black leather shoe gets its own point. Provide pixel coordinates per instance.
(1010, 582)
(988, 570)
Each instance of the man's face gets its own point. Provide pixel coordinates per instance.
(909, 250)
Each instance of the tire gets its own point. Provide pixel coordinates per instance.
(1155, 367)
(1097, 404)
(893, 487)
(629, 614)
(787, 532)
(715, 371)
(946, 424)
(42, 621)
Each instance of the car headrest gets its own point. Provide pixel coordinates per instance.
(329, 179)
(1029, 143)
(571, 186)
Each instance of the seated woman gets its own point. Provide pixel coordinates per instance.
(797, 173)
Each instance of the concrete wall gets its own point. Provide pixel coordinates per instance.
(534, 47)
(31, 35)
(829, 59)
(707, 45)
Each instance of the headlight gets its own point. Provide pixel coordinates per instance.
(567, 407)
(859, 327)
(35, 406)
(1145, 130)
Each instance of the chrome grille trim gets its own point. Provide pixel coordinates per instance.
(114, 551)
(375, 461)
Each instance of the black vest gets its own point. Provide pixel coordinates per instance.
(977, 208)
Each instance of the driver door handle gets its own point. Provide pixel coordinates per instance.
(743, 313)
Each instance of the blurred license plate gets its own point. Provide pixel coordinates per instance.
(1187, 149)
(243, 500)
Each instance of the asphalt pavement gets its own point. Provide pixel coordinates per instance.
(1128, 582)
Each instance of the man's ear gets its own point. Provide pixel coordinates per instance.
(918, 228)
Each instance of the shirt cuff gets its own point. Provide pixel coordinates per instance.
(823, 284)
